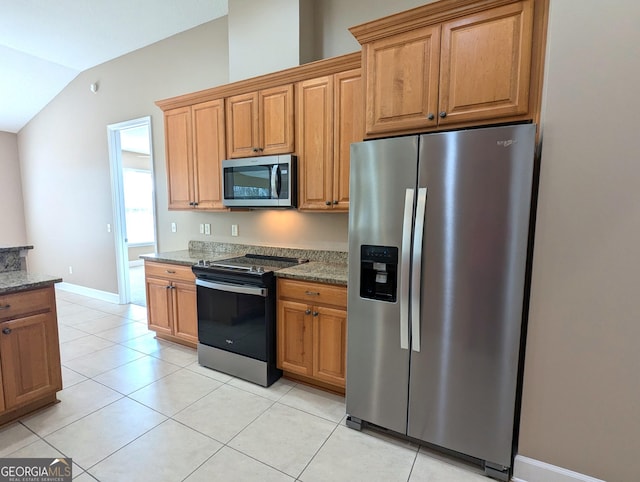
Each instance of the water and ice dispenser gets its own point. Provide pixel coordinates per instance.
(379, 272)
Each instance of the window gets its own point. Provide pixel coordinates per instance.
(138, 201)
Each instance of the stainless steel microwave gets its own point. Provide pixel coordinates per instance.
(260, 182)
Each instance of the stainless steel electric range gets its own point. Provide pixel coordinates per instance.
(236, 301)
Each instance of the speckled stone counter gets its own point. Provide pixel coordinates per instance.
(185, 257)
(324, 266)
(12, 281)
(317, 271)
(12, 258)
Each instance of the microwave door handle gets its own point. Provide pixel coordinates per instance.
(275, 188)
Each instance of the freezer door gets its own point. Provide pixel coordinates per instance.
(463, 380)
(382, 200)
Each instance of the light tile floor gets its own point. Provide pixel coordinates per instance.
(135, 408)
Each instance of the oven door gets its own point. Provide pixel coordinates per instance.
(233, 317)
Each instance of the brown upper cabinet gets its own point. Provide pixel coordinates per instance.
(195, 148)
(329, 117)
(260, 123)
(453, 64)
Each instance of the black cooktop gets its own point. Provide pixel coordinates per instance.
(251, 263)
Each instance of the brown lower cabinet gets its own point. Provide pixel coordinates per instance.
(171, 302)
(312, 332)
(30, 372)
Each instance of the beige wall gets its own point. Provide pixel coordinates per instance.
(135, 160)
(581, 407)
(12, 226)
(64, 153)
(334, 17)
(134, 252)
(265, 37)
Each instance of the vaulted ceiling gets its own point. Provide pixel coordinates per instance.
(45, 44)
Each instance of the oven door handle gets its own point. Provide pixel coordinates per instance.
(243, 289)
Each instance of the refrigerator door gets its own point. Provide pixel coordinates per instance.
(463, 380)
(382, 199)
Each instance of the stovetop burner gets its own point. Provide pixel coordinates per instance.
(251, 264)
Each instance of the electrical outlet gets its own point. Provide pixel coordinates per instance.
(174, 228)
(234, 230)
(201, 228)
(70, 270)
(207, 229)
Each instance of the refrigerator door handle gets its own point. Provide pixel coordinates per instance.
(416, 268)
(405, 265)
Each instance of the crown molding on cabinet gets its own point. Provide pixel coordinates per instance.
(429, 14)
(287, 76)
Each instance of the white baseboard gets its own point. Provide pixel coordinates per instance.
(90, 292)
(531, 470)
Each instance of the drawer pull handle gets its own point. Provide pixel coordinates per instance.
(170, 271)
(312, 293)
(5, 307)
(6, 331)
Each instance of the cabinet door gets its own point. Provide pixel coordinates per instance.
(295, 338)
(29, 352)
(158, 305)
(485, 64)
(2, 405)
(177, 132)
(242, 125)
(184, 311)
(208, 153)
(348, 128)
(314, 126)
(402, 81)
(330, 345)
(275, 110)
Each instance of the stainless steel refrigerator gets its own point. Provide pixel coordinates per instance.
(438, 238)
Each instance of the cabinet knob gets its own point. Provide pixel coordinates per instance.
(6, 331)
(307, 312)
(315, 313)
(255, 149)
(195, 203)
(443, 114)
(335, 201)
(168, 287)
(431, 116)
(328, 203)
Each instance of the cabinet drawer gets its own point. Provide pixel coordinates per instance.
(24, 303)
(314, 293)
(169, 271)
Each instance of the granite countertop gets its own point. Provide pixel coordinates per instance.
(7, 249)
(320, 271)
(11, 281)
(333, 273)
(186, 257)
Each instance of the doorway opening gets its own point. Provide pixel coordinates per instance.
(131, 162)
